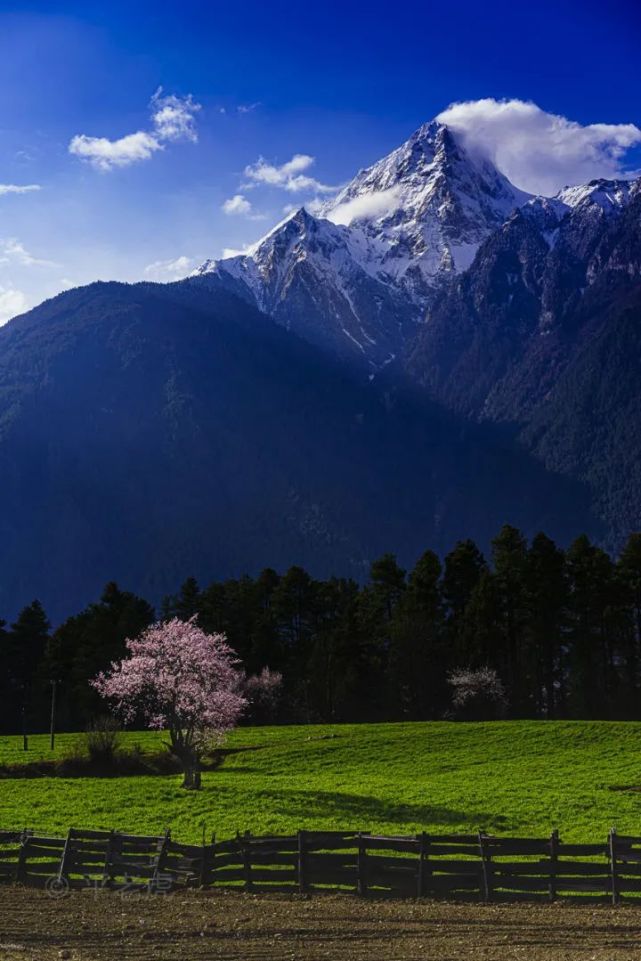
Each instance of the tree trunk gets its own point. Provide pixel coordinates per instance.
(190, 763)
(191, 768)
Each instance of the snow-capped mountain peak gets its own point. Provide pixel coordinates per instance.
(372, 256)
(437, 204)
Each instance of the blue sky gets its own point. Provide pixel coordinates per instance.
(342, 83)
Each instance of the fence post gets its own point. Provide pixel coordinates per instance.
(207, 862)
(21, 866)
(64, 858)
(613, 865)
(106, 871)
(159, 860)
(247, 860)
(486, 867)
(361, 884)
(422, 853)
(554, 859)
(302, 882)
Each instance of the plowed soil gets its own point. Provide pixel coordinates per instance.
(87, 926)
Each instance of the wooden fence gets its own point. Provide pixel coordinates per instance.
(478, 866)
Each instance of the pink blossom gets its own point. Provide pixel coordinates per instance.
(179, 678)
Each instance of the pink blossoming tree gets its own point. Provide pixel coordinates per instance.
(180, 679)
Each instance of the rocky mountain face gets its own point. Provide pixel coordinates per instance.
(356, 278)
(502, 307)
(306, 277)
(541, 334)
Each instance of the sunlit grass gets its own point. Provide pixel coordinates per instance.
(520, 777)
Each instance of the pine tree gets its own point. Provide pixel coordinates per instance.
(509, 556)
(27, 644)
(547, 598)
(418, 660)
(187, 602)
(462, 571)
(628, 573)
(86, 644)
(592, 589)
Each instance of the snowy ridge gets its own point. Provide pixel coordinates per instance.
(425, 208)
(358, 276)
(609, 195)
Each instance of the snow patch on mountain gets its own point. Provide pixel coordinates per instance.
(609, 195)
(360, 273)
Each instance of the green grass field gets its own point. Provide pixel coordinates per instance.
(508, 777)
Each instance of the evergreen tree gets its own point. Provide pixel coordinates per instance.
(86, 644)
(185, 603)
(547, 599)
(512, 659)
(418, 659)
(480, 630)
(592, 590)
(462, 571)
(7, 710)
(387, 584)
(338, 663)
(629, 579)
(27, 643)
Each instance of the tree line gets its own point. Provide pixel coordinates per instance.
(558, 630)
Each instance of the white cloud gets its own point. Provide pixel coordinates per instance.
(12, 251)
(172, 119)
(538, 151)
(234, 252)
(237, 206)
(240, 206)
(366, 207)
(289, 176)
(168, 270)
(248, 107)
(18, 189)
(12, 302)
(106, 154)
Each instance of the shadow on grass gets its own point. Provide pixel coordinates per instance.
(356, 810)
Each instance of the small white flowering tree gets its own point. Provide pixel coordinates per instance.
(478, 695)
(178, 678)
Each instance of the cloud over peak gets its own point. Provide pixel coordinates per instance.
(538, 151)
(172, 118)
(289, 176)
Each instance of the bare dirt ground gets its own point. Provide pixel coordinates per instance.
(95, 927)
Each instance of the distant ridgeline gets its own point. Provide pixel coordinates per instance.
(532, 631)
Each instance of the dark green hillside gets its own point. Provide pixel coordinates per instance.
(151, 431)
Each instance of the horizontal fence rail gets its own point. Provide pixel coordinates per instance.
(479, 866)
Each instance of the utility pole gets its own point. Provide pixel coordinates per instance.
(52, 728)
(25, 738)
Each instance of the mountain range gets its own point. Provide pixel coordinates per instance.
(426, 356)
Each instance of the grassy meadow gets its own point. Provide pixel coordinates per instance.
(522, 777)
